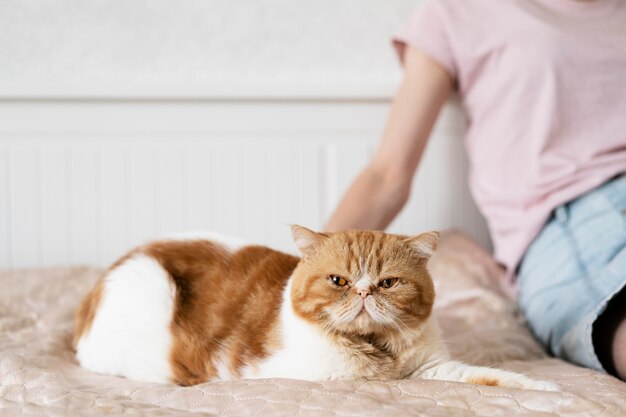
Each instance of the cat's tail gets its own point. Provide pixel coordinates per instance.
(450, 370)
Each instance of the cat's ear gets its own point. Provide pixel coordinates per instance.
(424, 243)
(305, 239)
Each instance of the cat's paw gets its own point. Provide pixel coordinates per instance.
(544, 386)
(516, 381)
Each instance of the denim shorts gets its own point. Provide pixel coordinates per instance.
(573, 268)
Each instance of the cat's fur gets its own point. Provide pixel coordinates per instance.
(194, 310)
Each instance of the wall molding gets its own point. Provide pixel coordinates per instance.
(295, 92)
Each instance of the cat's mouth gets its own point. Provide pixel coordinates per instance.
(361, 316)
(363, 319)
(365, 312)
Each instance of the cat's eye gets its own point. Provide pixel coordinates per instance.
(388, 282)
(338, 281)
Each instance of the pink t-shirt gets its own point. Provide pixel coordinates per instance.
(543, 83)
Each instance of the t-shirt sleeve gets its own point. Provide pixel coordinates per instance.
(426, 30)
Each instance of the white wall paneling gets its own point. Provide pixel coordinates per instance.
(5, 208)
(81, 181)
(26, 208)
(55, 204)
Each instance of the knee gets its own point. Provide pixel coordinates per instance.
(609, 336)
(619, 350)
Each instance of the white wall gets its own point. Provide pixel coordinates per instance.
(197, 46)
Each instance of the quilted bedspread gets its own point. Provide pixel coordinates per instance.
(39, 375)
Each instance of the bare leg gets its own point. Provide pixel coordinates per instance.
(619, 350)
(609, 336)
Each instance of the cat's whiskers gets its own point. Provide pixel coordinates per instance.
(347, 312)
(395, 322)
(407, 334)
(384, 311)
(328, 330)
(399, 320)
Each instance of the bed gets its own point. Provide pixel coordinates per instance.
(40, 376)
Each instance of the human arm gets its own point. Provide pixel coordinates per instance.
(380, 191)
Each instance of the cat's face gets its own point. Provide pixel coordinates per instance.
(363, 282)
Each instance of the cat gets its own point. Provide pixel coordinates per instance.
(356, 305)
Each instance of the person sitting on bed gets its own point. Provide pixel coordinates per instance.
(543, 83)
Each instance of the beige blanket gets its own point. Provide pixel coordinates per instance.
(39, 374)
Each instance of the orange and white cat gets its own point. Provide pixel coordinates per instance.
(357, 305)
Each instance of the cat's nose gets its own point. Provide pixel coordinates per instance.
(364, 293)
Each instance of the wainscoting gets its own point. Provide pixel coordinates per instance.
(82, 180)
